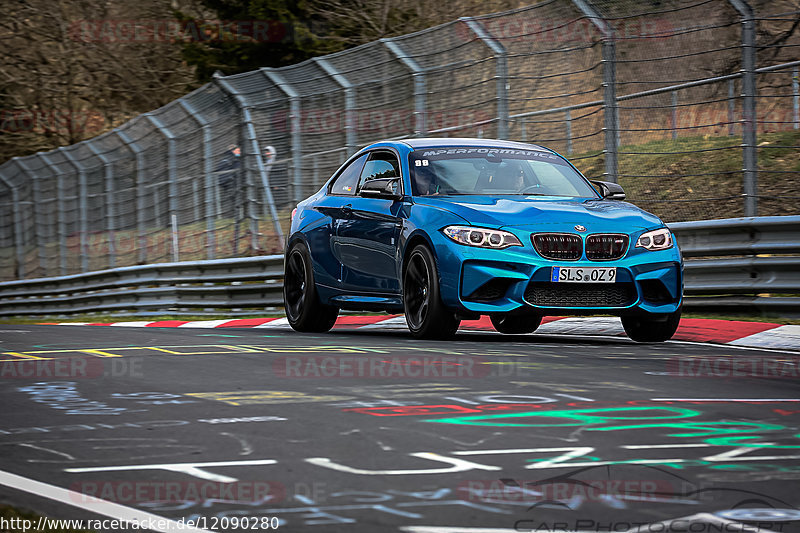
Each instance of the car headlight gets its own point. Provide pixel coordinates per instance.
(482, 237)
(659, 239)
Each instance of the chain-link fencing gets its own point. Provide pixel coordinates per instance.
(692, 105)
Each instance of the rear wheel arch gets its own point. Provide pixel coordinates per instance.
(304, 310)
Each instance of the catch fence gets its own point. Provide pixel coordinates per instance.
(692, 105)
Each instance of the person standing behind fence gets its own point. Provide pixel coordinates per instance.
(228, 176)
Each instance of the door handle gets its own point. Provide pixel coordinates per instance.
(347, 210)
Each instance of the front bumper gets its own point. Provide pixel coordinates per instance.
(517, 279)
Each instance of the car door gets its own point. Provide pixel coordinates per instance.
(321, 236)
(368, 235)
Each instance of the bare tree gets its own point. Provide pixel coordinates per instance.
(74, 68)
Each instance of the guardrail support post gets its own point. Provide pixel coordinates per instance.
(501, 59)
(38, 212)
(420, 88)
(208, 171)
(611, 111)
(349, 103)
(61, 217)
(296, 129)
(83, 210)
(18, 230)
(172, 170)
(749, 118)
(141, 193)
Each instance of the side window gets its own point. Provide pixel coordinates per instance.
(347, 181)
(380, 165)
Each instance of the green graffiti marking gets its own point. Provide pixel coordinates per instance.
(581, 417)
(703, 429)
(737, 435)
(756, 468)
(738, 441)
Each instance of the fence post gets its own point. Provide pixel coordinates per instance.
(296, 130)
(83, 209)
(172, 171)
(61, 218)
(611, 116)
(18, 229)
(674, 115)
(208, 170)
(141, 193)
(796, 98)
(349, 103)
(420, 87)
(749, 119)
(501, 59)
(731, 106)
(568, 121)
(111, 226)
(38, 206)
(252, 139)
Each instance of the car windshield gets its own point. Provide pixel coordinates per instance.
(494, 171)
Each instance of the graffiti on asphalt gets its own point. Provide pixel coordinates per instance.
(146, 424)
(64, 395)
(349, 506)
(99, 450)
(265, 397)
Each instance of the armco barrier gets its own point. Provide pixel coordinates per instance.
(222, 286)
(740, 264)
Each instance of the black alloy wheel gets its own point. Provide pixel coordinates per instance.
(303, 309)
(651, 328)
(426, 315)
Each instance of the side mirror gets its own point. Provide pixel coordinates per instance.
(388, 188)
(610, 191)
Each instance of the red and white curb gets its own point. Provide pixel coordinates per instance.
(730, 332)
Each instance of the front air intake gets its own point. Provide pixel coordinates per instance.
(558, 246)
(584, 295)
(606, 246)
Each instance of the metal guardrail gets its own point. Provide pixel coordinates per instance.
(732, 265)
(221, 286)
(741, 265)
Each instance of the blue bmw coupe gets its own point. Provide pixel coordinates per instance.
(450, 229)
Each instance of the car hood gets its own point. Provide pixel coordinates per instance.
(544, 213)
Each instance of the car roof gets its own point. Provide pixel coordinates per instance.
(432, 142)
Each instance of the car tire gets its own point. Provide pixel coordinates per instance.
(426, 315)
(647, 328)
(304, 310)
(515, 324)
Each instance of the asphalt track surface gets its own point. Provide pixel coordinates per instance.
(365, 431)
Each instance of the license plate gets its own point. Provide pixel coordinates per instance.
(583, 275)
